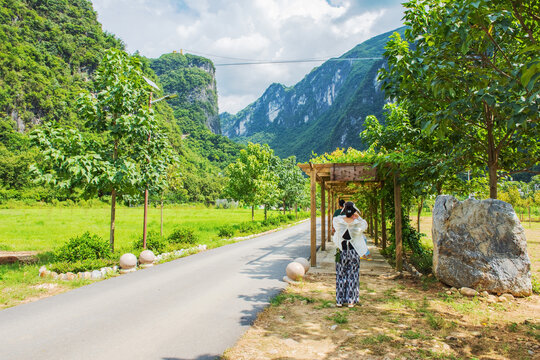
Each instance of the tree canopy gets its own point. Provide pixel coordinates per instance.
(471, 69)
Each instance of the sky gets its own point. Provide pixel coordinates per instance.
(225, 31)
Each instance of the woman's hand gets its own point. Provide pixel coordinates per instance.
(355, 216)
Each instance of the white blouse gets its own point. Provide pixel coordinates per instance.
(356, 230)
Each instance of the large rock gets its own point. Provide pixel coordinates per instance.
(480, 245)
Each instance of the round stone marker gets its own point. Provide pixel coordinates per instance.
(147, 257)
(295, 271)
(128, 261)
(303, 261)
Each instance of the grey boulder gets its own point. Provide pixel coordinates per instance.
(480, 244)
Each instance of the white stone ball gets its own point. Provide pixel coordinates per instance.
(147, 257)
(303, 261)
(128, 261)
(295, 271)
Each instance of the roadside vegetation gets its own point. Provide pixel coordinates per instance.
(75, 239)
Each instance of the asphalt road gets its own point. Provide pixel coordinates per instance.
(190, 308)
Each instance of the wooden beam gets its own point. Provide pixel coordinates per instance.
(313, 174)
(347, 172)
(323, 216)
(397, 209)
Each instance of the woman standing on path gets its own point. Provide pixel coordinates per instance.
(349, 240)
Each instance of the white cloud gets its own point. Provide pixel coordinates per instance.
(248, 29)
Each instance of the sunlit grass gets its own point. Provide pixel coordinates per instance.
(43, 229)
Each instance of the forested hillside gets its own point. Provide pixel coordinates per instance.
(49, 51)
(323, 111)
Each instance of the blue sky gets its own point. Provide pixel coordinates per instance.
(248, 29)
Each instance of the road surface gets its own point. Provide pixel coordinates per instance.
(190, 308)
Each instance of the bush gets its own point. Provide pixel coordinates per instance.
(183, 235)
(226, 231)
(85, 247)
(273, 221)
(283, 218)
(154, 242)
(291, 217)
(535, 285)
(81, 265)
(248, 226)
(423, 262)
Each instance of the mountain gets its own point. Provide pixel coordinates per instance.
(325, 110)
(193, 78)
(49, 51)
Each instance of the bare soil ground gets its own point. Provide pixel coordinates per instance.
(405, 318)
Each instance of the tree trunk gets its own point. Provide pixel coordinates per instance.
(419, 212)
(296, 210)
(113, 200)
(252, 212)
(492, 153)
(265, 212)
(113, 213)
(283, 207)
(161, 228)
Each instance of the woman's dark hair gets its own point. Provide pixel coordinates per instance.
(341, 202)
(349, 209)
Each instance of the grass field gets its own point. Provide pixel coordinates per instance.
(44, 229)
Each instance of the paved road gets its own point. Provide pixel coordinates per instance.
(190, 308)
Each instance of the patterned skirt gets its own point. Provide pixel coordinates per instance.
(347, 277)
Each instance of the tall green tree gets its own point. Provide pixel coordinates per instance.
(291, 182)
(251, 178)
(122, 150)
(471, 68)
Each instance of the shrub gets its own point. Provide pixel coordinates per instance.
(283, 218)
(423, 262)
(85, 247)
(273, 221)
(535, 285)
(226, 231)
(183, 235)
(81, 265)
(291, 217)
(154, 242)
(248, 226)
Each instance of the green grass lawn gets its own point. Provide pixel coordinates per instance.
(44, 229)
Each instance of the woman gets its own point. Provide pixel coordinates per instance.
(349, 240)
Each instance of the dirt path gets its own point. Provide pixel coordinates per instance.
(398, 318)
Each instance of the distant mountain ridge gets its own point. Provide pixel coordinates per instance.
(325, 110)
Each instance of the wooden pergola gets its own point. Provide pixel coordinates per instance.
(334, 180)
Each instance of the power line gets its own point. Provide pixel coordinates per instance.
(297, 61)
(244, 61)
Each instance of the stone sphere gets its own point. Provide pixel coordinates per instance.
(295, 271)
(147, 257)
(303, 261)
(128, 261)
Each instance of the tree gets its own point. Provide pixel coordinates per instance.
(471, 68)
(291, 182)
(251, 179)
(113, 155)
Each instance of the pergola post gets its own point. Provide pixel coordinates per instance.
(323, 216)
(397, 209)
(313, 217)
(329, 230)
(383, 225)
